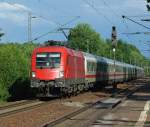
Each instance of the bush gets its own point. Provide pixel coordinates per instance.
(14, 65)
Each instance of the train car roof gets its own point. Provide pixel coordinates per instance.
(109, 61)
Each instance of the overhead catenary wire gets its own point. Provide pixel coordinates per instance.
(39, 16)
(127, 30)
(31, 12)
(98, 12)
(123, 21)
(137, 16)
(55, 29)
(136, 22)
(65, 13)
(107, 5)
(117, 15)
(140, 24)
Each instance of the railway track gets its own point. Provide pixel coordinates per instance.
(121, 94)
(13, 104)
(31, 104)
(28, 105)
(20, 107)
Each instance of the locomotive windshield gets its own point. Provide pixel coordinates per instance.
(48, 60)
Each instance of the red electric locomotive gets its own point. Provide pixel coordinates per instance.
(56, 70)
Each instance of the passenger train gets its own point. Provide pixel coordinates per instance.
(58, 70)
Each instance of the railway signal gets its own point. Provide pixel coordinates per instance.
(114, 37)
(148, 6)
(114, 44)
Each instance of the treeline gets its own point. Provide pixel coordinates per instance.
(15, 58)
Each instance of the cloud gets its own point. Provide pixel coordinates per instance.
(16, 18)
(13, 12)
(4, 6)
(17, 13)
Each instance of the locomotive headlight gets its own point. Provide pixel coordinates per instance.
(33, 74)
(61, 74)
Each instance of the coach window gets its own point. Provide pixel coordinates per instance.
(111, 68)
(87, 66)
(103, 67)
(92, 67)
(98, 67)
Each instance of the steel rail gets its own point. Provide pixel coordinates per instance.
(25, 107)
(15, 104)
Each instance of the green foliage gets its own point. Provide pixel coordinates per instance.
(14, 65)
(126, 52)
(84, 38)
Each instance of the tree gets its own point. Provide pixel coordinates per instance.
(84, 38)
(1, 34)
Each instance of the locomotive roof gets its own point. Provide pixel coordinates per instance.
(45, 47)
(59, 48)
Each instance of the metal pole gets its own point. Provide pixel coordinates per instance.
(87, 46)
(29, 28)
(114, 44)
(147, 69)
(114, 50)
(141, 64)
(134, 61)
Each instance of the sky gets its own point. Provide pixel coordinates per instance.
(51, 14)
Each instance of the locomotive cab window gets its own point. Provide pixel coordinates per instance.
(48, 60)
